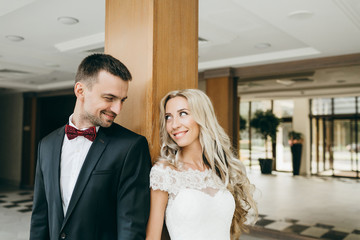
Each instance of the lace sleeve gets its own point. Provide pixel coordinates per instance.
(161, 178)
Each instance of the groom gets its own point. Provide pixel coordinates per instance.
(92, 175)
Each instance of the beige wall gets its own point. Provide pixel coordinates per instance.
(11, 118)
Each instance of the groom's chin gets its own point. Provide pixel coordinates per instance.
(106, 124)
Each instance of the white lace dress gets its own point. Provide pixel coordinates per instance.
(199, 205)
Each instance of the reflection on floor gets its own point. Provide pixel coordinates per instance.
(290, 208)
(318, 207)
(340, 173)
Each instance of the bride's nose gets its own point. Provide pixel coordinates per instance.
(175, 123)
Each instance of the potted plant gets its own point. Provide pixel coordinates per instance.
(266, 124)
(242, 123)
(296, 141)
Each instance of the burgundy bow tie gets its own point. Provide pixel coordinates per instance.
(72, 133)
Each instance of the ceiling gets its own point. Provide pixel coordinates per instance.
(237, 33)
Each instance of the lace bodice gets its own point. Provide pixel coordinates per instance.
(199, 205)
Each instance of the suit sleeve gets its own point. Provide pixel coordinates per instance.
(39, 228)
(133, 196)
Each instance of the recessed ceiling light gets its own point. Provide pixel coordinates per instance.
(341, 81)
(262, 45)
(285, 82)
(68, 20)
(15, 38)
(301, 14)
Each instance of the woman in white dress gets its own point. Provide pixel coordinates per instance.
(197, 184)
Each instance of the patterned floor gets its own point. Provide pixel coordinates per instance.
(15, 213)
(292, 208)
(317, 230)
(21, 202)
(309, 206)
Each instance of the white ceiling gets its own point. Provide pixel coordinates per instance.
(48, 56)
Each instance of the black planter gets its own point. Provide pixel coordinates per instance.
(266, 165)
(296, 157)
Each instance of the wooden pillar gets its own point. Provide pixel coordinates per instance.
(221, 87)
(158, 41)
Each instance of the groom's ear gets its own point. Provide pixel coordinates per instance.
(79, 90)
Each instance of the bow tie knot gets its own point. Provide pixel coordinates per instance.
(72, 133)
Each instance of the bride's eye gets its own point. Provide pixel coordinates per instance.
(183, 114)
(167, 117)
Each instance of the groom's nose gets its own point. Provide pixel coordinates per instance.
(116, 107)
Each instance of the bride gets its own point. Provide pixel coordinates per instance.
(197, 184)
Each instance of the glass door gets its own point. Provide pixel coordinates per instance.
(322, 155)
(335, 146)
(346, 148)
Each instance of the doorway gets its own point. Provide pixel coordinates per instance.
(335, 146)
(43, 113)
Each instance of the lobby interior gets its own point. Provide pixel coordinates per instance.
(301, 60)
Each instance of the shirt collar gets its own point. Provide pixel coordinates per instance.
(73, 125)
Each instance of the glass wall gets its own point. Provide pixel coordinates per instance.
(245, 146)
(253, 146)
(344, 105)
(335, 137)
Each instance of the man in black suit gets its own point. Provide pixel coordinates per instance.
(92, 175)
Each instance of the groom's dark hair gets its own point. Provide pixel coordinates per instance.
(90, 67)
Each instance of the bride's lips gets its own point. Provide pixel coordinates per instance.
(180, 134)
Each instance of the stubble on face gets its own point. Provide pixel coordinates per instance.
(97, 121)
(100, 104)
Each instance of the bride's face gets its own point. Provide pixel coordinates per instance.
(180, 124)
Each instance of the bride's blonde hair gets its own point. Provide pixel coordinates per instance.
(217, 153)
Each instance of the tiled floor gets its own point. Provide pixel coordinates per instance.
(290, 208)
(15, 212)
(318, 207)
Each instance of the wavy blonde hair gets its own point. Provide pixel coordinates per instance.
(217, 153)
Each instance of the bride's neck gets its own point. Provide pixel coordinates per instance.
(192, 157)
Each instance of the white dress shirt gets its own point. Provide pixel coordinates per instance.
(73, 155)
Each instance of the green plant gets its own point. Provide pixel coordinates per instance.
(295, 137)
(266, 124)
(242, 123)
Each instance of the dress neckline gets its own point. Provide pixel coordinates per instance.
(186, 170)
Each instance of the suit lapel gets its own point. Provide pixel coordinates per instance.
(90, 162)
(56, 173)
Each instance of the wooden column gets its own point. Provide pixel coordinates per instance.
(221, 87)
(157, 40)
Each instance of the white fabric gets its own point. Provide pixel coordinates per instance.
(199, 206)
(73, 155)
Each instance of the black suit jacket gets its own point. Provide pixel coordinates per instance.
(111, 198)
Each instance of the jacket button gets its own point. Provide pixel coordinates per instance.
(63, 235)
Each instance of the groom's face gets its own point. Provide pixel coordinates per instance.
(103, 101)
